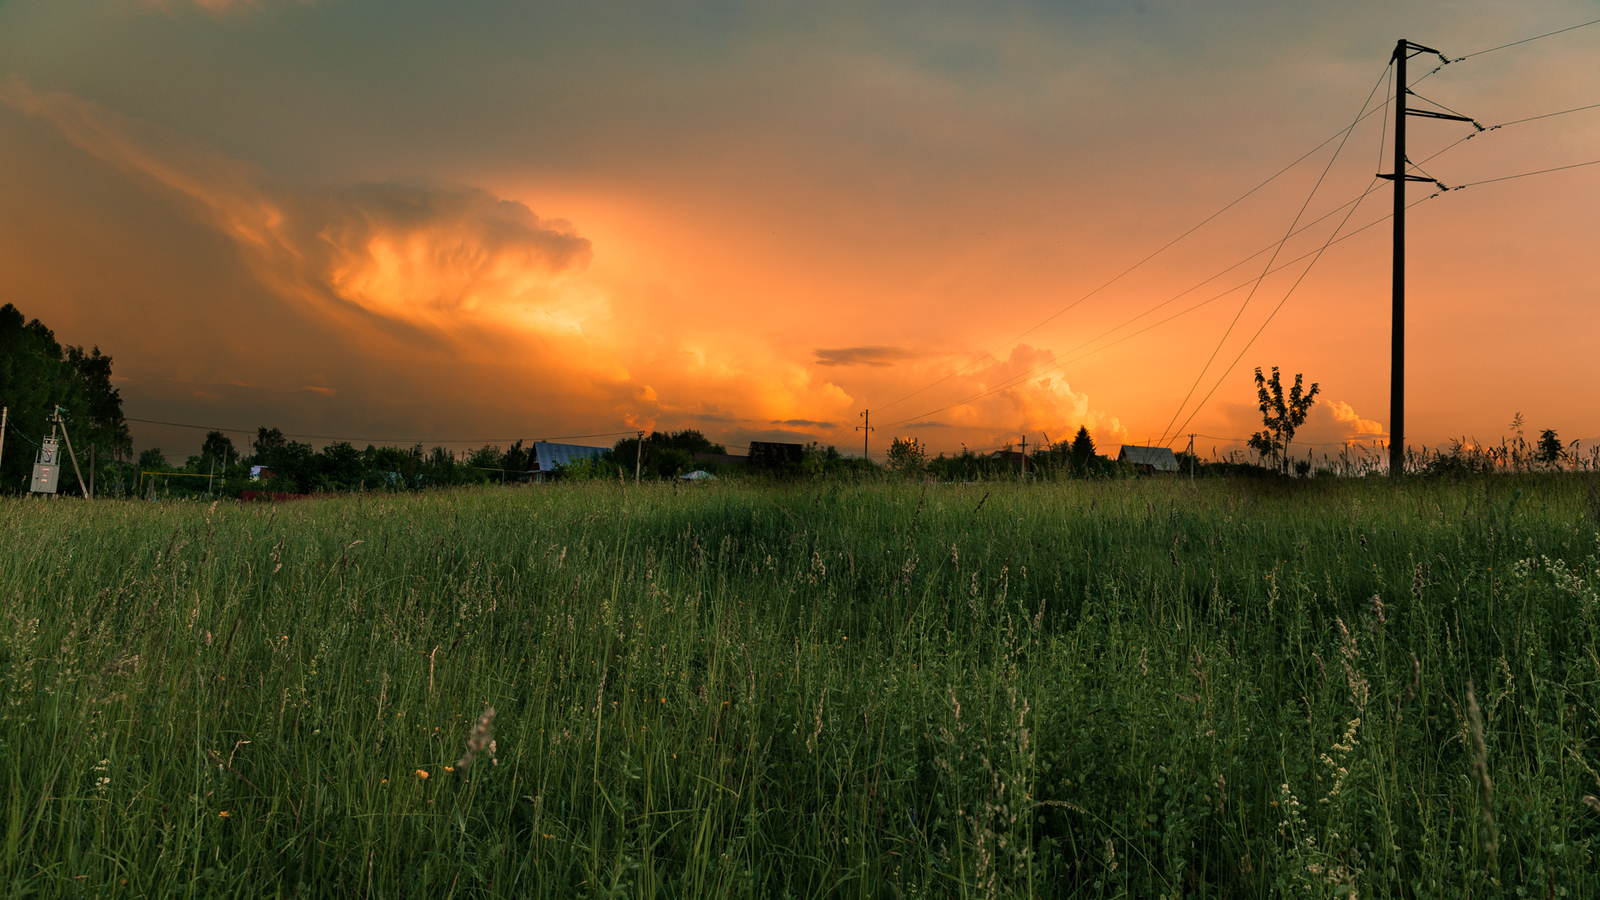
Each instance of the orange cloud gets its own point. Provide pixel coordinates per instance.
(426, 277)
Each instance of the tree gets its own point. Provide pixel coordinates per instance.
(907, 456)
(153, 460)
(37, 374)
(218, 449)
(1550, 449)
(267, 443)
(1281, 418)
(1082, 450)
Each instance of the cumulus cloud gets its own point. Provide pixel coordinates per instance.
(419, 300)
(441, 258)
(1011, 398)
(1333, 422)
(432, 253)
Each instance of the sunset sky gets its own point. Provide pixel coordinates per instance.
(477, 222)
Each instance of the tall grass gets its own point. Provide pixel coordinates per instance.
(1133, 688)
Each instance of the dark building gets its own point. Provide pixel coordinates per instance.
(772, 455)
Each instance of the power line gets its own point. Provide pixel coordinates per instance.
(1063, 361)
(1125, 272)
(1264, 324)
(325, 437)
(1360, 114)
(1547, 115)
(1524, 41)
(1526, 174)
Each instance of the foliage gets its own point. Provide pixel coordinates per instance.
(37, 374)
(665, 454)
(1281, 416)
(218, 449)
(908, 456)
(1082, 450)
(1550, 448)
(589, 468)
(1085, 688)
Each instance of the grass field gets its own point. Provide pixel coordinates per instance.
(1122, 688)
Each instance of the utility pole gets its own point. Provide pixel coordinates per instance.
(71, 455)
(5, 413)
(866, 433)
(1403, 50)
(638, 458)
(1024, 456)
(1190, 451)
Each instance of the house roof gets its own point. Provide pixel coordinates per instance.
(1159, 458)
(547, 456)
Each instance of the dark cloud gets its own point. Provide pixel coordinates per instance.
(926, 425)
(862, 356)
(802, 423)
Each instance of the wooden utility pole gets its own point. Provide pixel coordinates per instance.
(866, 433)
(71, 455)
(1024, 456)
(1190, 451)
(1403, 50)
(5, 413)
(638, 458)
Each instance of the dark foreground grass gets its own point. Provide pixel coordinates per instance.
(1116, 689)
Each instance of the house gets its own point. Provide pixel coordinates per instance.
(775, 455)
(546, 456)
(1149, 459)
(259, 472)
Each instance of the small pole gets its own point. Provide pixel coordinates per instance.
(5, 412)
(638, 459)
(1024, 456)
(1190, 451)
(866, 433)
(212, 478)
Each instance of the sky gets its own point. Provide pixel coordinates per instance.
(468, 222)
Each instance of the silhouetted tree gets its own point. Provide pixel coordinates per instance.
(1550, 449)
(1082, 451)
(37, 374)
(1281, 416)
(217, 447)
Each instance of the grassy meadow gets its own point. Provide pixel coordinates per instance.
(1150, 688)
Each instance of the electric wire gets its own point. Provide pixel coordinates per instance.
(1067, 358)
(1344, 132)
(1251, 296)
(1382, 143)
(391, 441)
(1526, 40)
(1591, 162)
(1223, 377)
(1061, 362)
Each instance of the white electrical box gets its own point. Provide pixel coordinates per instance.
(46, 472)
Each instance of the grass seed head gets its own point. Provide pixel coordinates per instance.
(481, 738)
